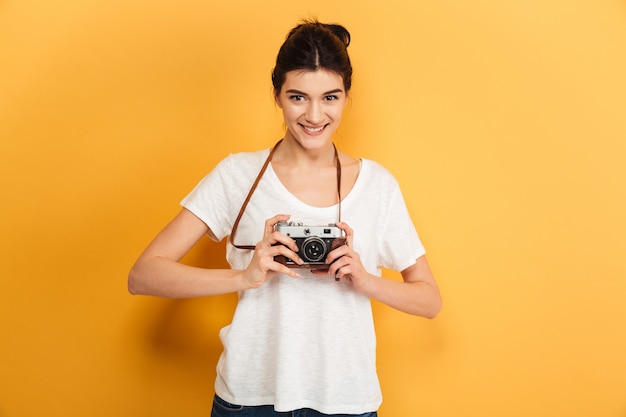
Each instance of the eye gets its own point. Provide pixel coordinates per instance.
(331, 98)
(296, 97)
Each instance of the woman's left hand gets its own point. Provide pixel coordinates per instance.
(417, 294)
(345, 264)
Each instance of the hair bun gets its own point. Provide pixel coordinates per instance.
(341, 32)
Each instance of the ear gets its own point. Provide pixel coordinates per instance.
(277, 99)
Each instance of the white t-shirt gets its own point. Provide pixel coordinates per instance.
(307, 342)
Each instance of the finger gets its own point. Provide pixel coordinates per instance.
(348, 231)
(272, 267)
(280, 267)
(271, 222)
(343, 274)
(336, 267)
(338, 253)
(270, 248)
(278, 238)
(273, 241)
(287, 253)
(286, 270)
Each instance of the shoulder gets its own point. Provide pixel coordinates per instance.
(374, 171)
(233, 168)
(240, 164)
(246, 159)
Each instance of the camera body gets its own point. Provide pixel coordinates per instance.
(314, 243)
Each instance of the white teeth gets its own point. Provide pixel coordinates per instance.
(313, 130)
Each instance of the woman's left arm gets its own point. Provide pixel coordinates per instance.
(418, 294)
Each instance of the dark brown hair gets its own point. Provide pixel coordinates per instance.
(311, 46)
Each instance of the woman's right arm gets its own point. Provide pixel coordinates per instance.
(158, 271)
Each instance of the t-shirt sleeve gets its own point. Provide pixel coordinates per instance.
(209, 199)
(399, 244)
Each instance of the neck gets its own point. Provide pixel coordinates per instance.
(293, 153)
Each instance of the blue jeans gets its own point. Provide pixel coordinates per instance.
(222, 408)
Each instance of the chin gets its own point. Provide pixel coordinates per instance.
(312, 144)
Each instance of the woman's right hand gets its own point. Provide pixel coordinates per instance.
(263, 267)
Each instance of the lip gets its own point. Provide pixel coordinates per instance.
(314, 130)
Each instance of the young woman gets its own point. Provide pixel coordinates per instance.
(302, 338)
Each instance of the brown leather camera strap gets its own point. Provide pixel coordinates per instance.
(258, 179)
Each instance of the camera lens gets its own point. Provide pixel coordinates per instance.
(313, 249)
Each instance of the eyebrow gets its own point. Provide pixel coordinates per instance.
(301, 93)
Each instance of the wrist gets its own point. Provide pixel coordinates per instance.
(368, 285)
(242, 277)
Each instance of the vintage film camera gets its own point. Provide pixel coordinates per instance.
(314, 243)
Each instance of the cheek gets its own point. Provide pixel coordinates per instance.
(337, 113)
(289, 113)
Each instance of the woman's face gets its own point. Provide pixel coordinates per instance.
(312, 104)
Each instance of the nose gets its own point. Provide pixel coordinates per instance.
(314, 113)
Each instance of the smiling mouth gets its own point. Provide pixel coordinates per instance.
(313, 129)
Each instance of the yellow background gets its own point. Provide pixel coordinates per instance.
(504, 122)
